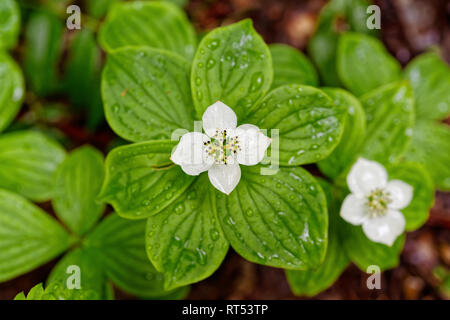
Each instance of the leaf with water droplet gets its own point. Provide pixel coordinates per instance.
(58, 292)
(337, 164)
(144, 180)
(131, 100)
(92, 277)
(311, 282)
(386, 140)
(305, 117)
(192, 244)
(293, 232)
(238, 68)
(429, 146)
(158, 25)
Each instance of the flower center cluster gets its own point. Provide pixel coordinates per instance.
(222, 147)
(377, 202)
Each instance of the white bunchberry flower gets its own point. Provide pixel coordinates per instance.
(221, 149)
(374, 202)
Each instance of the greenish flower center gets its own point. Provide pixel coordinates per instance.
(377, 202)
(222, 147)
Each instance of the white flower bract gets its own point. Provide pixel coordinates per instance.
(222, 149)
(374, 202)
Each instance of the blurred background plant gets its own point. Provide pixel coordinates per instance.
(62, 99)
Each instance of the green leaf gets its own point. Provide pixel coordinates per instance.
(276, 220)
(322, 48)
(233, 65)
(119, 245)
(11, 89)
(364, 252)
(336, 17)
(58, 7)
(390, 119)
(28, 236)
(429, 76)
(43, 44)
(364, 64)
(98, 8)
(146, 93)
(9, 23)
(185, 241)
(140, 179)
(20, 296)
(35, 293)
(83, 264)
(83, 66)
(57, 291)
(180, 3)
(291, 66)
(109, 291)
(180, 293)
(311, 282)
(310, 125)
(417, 177)
(82, 74)
(78, 181)
(339, 161)
(351, 13)
(28, 161)
(159, 25)
(429, 146)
